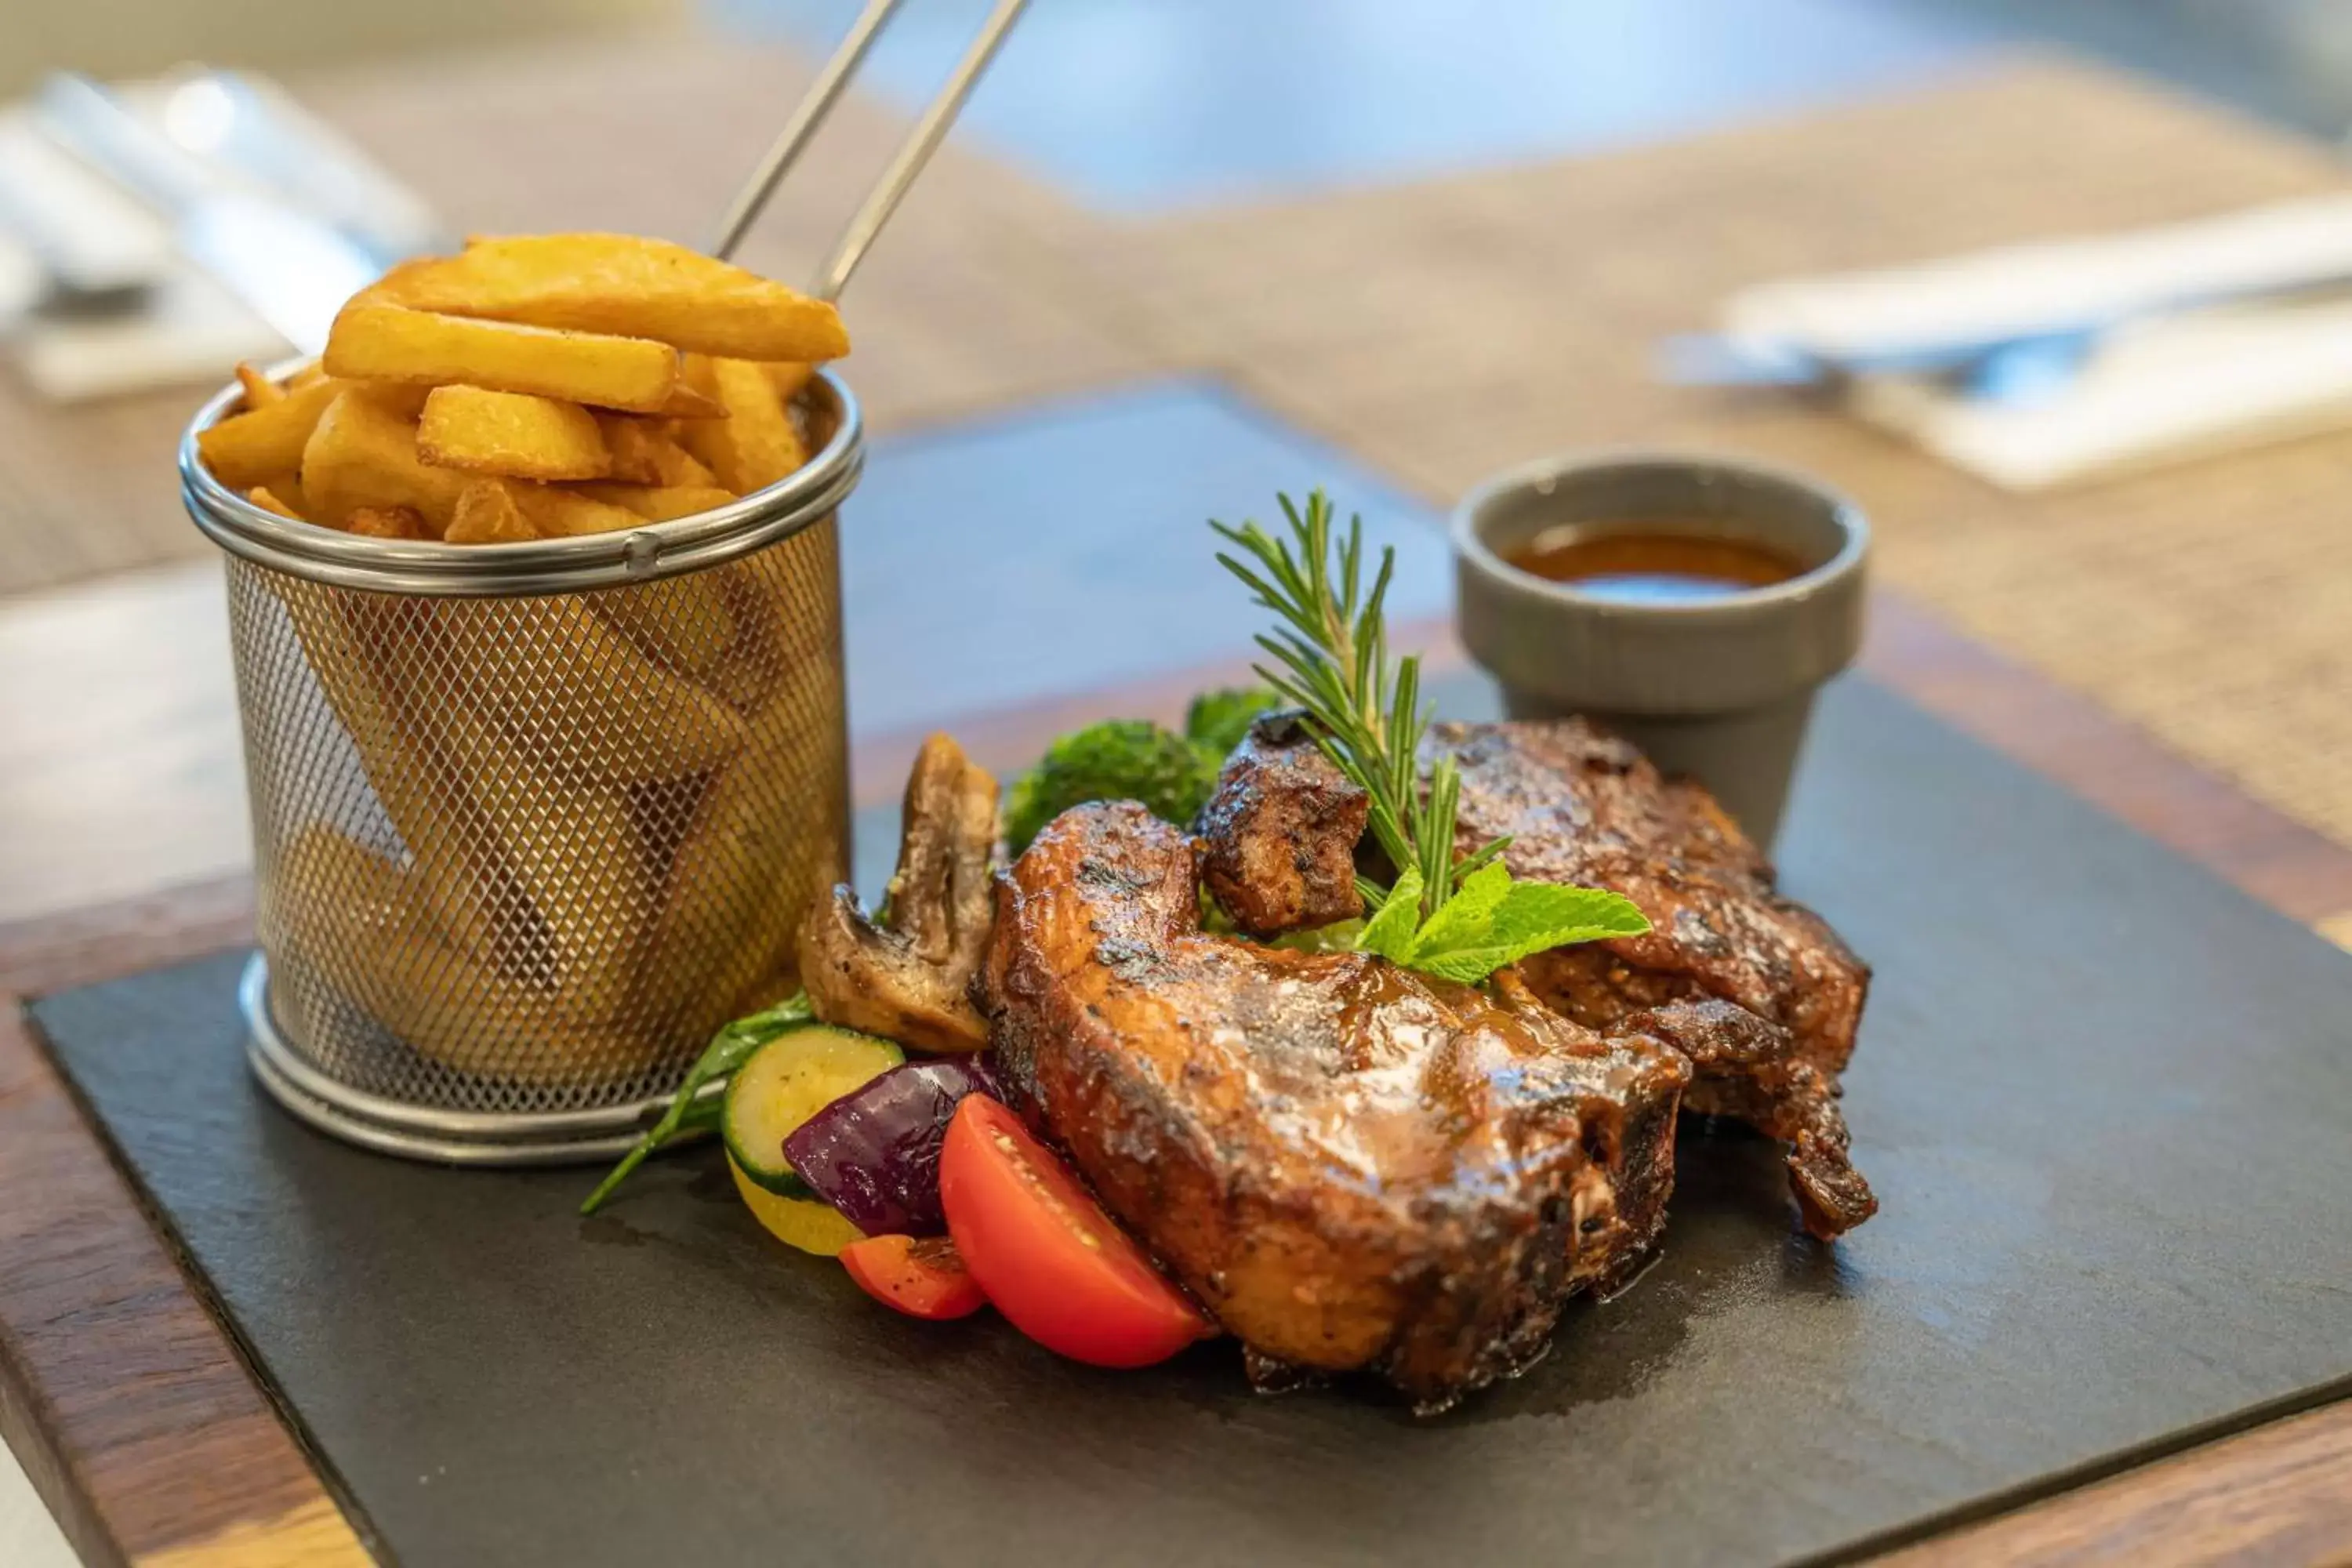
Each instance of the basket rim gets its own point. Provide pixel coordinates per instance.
(432, 569)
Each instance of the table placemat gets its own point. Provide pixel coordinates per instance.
(2099, 1138)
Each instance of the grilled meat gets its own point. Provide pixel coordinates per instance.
(1352, 1166)
(1586, 808)
(909, 975)
(1280, 832)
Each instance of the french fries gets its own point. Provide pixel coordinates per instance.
(487, 514)
(511, 433)
(372, 341)
(644, 452)
(361, 455)
(606, 805)
(658, 503)
(385, 522)
(260, 392)
(756, 445)
(367, 925)
(626, 285)
(267, 499)
(246, 449)
(527, 672)
(558, 514)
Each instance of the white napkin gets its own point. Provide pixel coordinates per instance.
(2166, 382)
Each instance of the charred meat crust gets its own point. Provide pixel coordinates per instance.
(1352, 1166)
(1584, 807)
(909, 974)
(1279, 834)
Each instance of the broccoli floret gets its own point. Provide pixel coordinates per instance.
(1218, 720)
(1118, 759)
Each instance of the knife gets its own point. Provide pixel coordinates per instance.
(289, 267)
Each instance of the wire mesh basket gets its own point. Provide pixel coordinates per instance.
(530, 821)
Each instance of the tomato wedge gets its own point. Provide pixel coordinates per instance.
(922, 1277)
(1049, 1257)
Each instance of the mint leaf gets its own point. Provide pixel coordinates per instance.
(1463, 920)
(1529, 917)
(1389, 931)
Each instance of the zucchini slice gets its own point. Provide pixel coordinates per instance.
(786, 1082)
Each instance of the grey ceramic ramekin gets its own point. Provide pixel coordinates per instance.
(1716, 689)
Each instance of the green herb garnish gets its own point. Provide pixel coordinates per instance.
(691, 1111)
(1458, 919)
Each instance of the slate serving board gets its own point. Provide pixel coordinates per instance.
(2103, 1099)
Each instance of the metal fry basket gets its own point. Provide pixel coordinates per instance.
(530, 821)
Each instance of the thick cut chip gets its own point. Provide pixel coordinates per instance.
(267, 499)
(260, 392)
(246, 449)
(756, 443)
(401, 399)
(511, 433)
(625, 284)
(376, 340)
(355, 914)
(645, 452)
(361, 456)
(561, 514)
(487, 514)
(385, 522)
(659, 503)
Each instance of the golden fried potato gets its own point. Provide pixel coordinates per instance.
(487, 514)
(688, 402)
(361, 456)
(645, 452)
(267, 499)
(623, 284)
(362, 921)
(573, 845)
(768, 837)
(685, 623)
(756, 445)
(511, 433)
(532, 673)
(309, 374)
(365, 653)
(260, 392)
(385, 522)
(372, 340)
(790, 379)
(558, 514)
(246, 449)
(403, 400)
(658, 503)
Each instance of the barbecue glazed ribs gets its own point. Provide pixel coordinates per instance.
(1351, 1164)
(1584, 807)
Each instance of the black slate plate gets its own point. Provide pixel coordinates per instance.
(2103, 1099)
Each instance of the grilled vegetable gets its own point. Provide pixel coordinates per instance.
(923, 1277)
(874, 1153)
(786, 1082)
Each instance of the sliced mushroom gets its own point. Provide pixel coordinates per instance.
(905, 973)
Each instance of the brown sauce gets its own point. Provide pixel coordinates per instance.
(1652, 567)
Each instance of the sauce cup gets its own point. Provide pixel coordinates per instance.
(1719, 687)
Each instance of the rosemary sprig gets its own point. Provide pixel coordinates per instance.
(1331, 653)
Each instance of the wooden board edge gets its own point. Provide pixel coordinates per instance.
(135, 1416)
(47, 954)
(2279, 1493)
